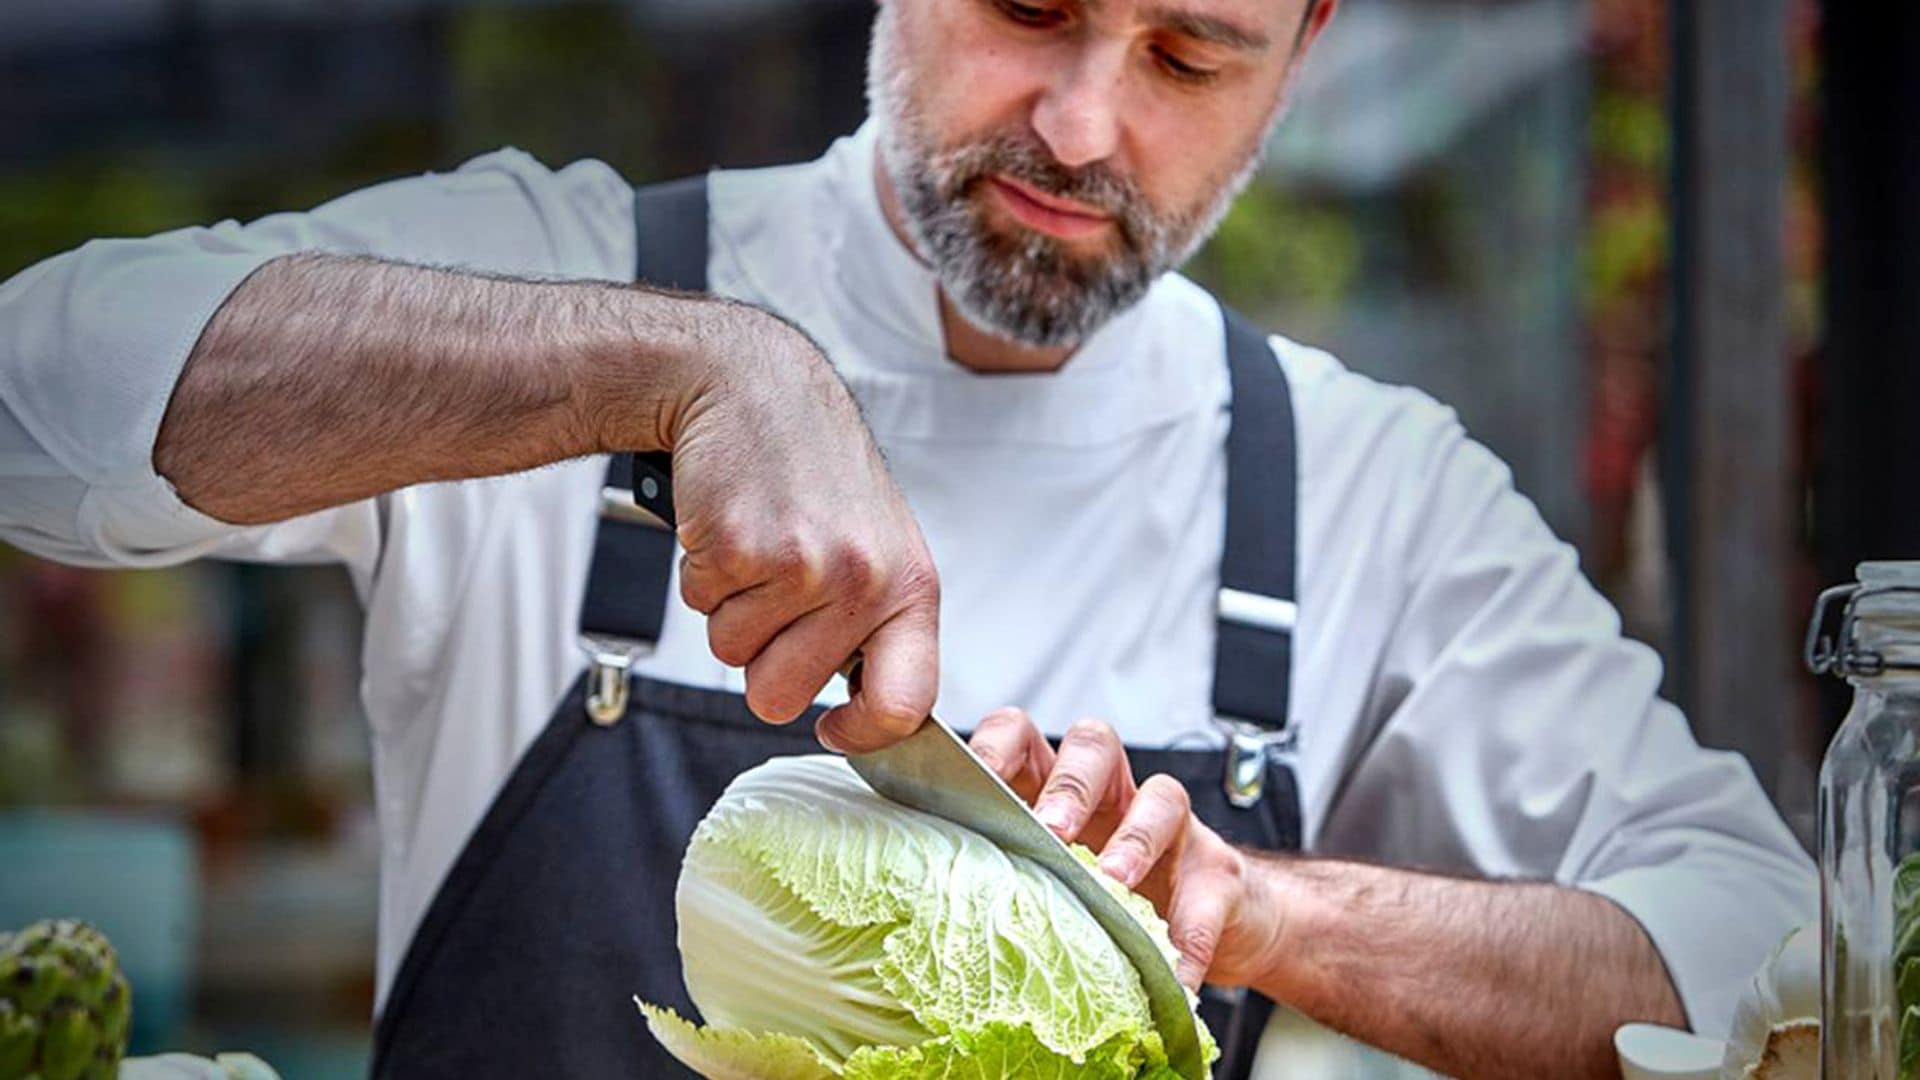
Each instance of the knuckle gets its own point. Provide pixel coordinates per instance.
(793, 562)
(728, 648)
(919, 583)
(854, 566)
(1131, 839)
(730, 553)
(695, 594)
(988, 754)
(1071, 786)
(1229, 871)
(1197, 940)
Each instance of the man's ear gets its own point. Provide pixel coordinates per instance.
(1317, 20)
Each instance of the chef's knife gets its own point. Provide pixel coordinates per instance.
(933, 771)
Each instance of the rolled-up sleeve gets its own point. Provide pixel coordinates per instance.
(92, 343)
(1516, 733)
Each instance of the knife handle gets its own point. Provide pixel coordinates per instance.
(653, 492)
(653, 485)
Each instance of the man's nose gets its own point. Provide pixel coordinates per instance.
(1077, 115)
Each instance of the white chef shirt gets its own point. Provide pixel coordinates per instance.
(1464, 698)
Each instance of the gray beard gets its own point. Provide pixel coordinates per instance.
(1026, 287)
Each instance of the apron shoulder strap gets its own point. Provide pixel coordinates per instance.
(1253, 659)
(625, 606)
(670, 234)
(1253, 654)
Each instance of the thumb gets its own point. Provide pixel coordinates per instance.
(1198, 916)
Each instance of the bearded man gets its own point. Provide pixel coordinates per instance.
(1306, 602)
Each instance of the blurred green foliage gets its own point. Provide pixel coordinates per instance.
(45, 212)
(1625, 252)
(1278, 249)
(558, 84)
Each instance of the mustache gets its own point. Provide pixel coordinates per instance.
(1097, 185)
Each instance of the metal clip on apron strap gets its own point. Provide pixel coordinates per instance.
(626, 601)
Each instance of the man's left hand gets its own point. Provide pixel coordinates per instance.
(1146, 836)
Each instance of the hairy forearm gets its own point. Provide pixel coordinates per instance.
(1475, 979)
(327, 379)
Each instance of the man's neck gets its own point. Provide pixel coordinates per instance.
(967, 344)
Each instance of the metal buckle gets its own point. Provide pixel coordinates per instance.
(608, 678)
(1248, 748)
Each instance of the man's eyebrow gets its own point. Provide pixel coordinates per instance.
(1208, 28)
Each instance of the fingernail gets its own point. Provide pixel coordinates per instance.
(1054, 815)
(825, 735)
(1119, 867)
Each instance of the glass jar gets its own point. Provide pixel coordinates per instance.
(1870, 827)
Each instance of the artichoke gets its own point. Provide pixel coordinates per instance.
(64, 1005)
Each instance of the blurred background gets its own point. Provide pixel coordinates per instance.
(1650, 249)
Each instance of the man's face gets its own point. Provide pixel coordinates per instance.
(1053, 157)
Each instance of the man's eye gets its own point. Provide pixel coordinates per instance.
(1181, 70)
(1029, 14)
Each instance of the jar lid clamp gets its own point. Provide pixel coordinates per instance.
(1841, 653)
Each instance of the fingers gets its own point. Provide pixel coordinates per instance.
(1010, 744)
(1152, 828)
(1089, 775)
(1157, 848)
(791, 612)
(741, 626)
(899, 679)
(785, 677)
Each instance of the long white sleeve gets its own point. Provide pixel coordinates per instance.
(1509, 730)
(92, 343)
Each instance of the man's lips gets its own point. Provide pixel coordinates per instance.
(1050, 214)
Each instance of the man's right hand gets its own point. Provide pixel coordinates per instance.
(799, 547)
(326, 379)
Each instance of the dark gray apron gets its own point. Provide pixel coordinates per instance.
(560, 908)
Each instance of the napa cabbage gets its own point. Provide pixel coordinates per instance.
(828, 933)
